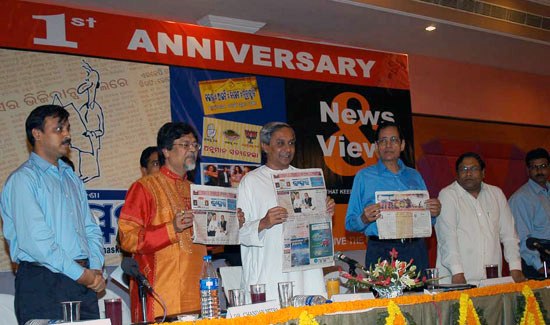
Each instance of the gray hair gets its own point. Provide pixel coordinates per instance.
(267, 130)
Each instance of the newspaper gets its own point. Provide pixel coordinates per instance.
(404, 214)
(215, 215)
(307, 233)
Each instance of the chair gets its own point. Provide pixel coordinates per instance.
(7, 310)
(231, 278)
(109, 294)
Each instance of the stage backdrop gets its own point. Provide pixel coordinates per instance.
(440, 141)
(227, 84)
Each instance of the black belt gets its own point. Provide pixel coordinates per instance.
(394, 241)
(85, 263)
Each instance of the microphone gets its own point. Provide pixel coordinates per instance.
(350, 261)
(538, 244)
(130, 267)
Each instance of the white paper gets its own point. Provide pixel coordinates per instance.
(404, 214)
(307, 233)
(253, 309)
(214, 215)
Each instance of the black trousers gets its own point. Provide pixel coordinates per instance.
(39, 293)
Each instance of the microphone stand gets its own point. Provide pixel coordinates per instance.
(544, 257)
(142, 291)
(352, 268)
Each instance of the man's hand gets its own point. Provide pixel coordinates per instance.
(331, 205)
(517, 275)
(183, 220)
(371, 213)
(434, 206)
(274, 216)
(240, 216)
(92, 279)
(458, 278)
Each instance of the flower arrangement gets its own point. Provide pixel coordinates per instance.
(386, 274)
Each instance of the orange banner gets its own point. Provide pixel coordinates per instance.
(43, 27)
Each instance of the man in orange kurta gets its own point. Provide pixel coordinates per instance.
(155, 225)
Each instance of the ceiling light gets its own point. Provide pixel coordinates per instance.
(430, 28)
(239, 25)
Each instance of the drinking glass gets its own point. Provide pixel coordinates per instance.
(236, 297)
(71, 311)
(491, 270)
(333, 287)
(257, 292)
(285, 293)
(113, 310)
(432, 278)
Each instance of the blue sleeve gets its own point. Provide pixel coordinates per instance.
(94, 234)
(523, 219)
(357, 202)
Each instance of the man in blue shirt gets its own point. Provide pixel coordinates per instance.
(389, 174)
(530, 206)
(51, 232)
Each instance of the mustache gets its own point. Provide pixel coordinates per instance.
(66, 141)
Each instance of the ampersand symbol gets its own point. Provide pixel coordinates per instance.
(352, 132)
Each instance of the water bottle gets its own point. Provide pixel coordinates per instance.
(210, 304)
(303, 300)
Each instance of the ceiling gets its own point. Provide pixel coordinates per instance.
(352, 23)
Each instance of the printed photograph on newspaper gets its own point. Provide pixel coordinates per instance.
(307, 233)
(215, 215)
(404, 214)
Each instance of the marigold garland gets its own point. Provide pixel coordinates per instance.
(307, 319)
(532, 314)
(395, 316)
(467, 312)
(491, 290)
(293, 313)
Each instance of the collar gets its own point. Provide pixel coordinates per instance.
(44, 165)
(535, 187)
(462, 192)
(383, 169)
(170, 174)
(290, 167)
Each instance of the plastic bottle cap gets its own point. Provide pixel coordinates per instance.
(207, 258)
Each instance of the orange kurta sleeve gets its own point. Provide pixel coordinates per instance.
(137, 232)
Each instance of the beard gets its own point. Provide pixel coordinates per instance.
(190, 163)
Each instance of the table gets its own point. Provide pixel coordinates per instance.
(498, 304)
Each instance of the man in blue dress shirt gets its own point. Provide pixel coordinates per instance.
(389, 174)
(530, 206)
(51, 232)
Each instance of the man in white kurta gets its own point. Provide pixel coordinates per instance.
(261, 235)
(475, 219)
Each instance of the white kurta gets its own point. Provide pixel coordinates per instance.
(262, 253)
(469, 232)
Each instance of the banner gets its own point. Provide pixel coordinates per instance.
(226, 84)
(124, 103)
(43, 27)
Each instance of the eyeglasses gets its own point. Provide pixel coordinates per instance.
(465, 169)
(187, 145)
(538, 167)
(393, 140)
